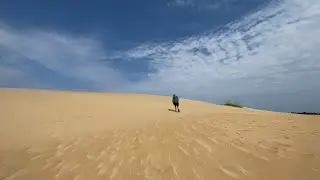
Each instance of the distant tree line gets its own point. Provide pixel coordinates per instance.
(306, 113)
(233, 103)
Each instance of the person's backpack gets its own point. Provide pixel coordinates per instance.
(175, 99)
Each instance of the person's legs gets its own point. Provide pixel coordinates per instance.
(175, 106)
(178, 107)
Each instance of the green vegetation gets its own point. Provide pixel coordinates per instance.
(306, 113)
(233, 104)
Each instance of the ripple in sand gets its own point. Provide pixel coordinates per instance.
(113, 157)
(243, 170)
(184, 151)
(316, 170)
(16, 174)
(196, 151)
(150, 173)
(229, 172)
(101, 155)
(203, 144)
(36, 157)
(213, 140)
(196, 173)
(101, 169)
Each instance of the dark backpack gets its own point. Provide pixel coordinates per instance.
(175, 99)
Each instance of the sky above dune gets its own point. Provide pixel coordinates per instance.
(262, 53)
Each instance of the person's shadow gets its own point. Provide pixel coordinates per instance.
(172, 110)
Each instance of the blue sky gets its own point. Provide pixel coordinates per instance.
(263, 53)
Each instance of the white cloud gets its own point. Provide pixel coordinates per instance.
(274, 50)
(77, 57)
(204, 5)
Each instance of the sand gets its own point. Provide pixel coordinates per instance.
(69, 135)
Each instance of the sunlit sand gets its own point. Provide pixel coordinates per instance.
(69, 135)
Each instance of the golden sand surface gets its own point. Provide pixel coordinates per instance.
(73, 135)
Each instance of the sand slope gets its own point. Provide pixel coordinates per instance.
(77, 135)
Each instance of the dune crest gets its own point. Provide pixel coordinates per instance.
(80, 135)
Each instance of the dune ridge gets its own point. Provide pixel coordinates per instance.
(69, 135)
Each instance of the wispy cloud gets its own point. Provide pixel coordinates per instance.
(81, 58)
(274, 50)
(207, 4)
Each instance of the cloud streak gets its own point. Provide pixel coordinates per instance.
(81, 58)
(272, 51)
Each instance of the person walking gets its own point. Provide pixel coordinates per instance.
(175, 101)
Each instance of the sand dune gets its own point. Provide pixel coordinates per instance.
(78, 135)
